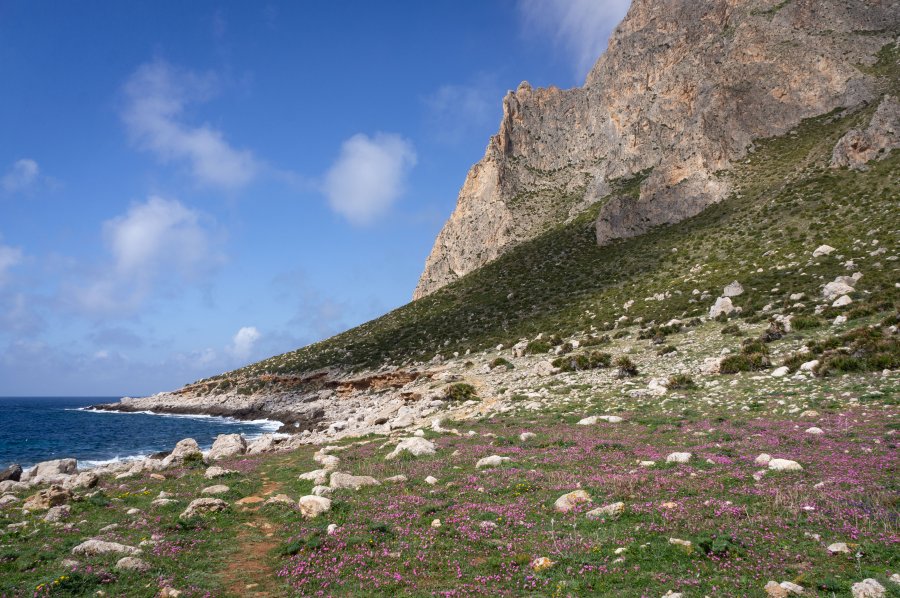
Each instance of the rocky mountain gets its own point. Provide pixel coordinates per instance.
(680, 95)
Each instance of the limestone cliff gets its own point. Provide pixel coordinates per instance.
(682, 91)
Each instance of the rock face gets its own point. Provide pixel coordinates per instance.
(682, 91)
(856, 148)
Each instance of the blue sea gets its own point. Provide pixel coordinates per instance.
(36, 429)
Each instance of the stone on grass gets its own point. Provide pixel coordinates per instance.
(723, 305)
(396, 479)
(186, 448)
(56, 514)
(784, 465)
(611, 419)
(541, 563)
(733, 290)
(492, 461)
(835, 289)
(216, 472)
(780, 372)
(203, 506)
(842, 301)
(678, 457)
(95, 547)
(7, 499)
(822, 250)
(808, 366)
(526, 436)
(49, 497)
(431, 480)
(130, 563)
(415, 446)
(313, 506)
(319, 477)
(280, 499)
(588, 421)
(341, 481)
(782, 590)
(567, 502)
(867, 588)
(680, 542)
(215, 489)
(227, 445)
(838, 548)
(612, 510)
(436, 523)
(814, 430)
(763, 459)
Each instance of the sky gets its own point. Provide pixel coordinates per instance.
(188, 187)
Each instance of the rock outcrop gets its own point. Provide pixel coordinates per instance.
(682, 91)
(856, 148)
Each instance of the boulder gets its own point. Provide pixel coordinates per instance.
(838, 548)
(130, 563)
(57, 514)
(842, 301)
(678, 457)
(396, 479)
(723, 305)
(835, 289)
(415, 446)
(313, 506)
(227, 445)
(215, 489)
(96, 547)
(13, 472)
(280, 499)
(612, 510)
(588, 421)
(567, 502)
(50, 471)
(7, 499)
(784, 465)
(53, 496)
(822, 250)
(526, 436)
(203, 506)
(85, 479)
(867, 588)
(184, 449)
(11, 486)
(352, 482)
(492, 461)
(316, 476)
(216, 472)
(733, 290)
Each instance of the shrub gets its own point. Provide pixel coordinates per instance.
(593, 341)
(753, 345)
(858, 350)
(627, 368)
(774, 332)
(666, 350)
(745, 362)
(584, 361)
(731, 329)
(681, 382)
(537, 347)
(460, 392)
(805, 322)
(500, 362)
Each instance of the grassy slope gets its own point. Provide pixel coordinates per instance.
(787, 201)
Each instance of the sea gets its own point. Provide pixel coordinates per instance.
(35, 429)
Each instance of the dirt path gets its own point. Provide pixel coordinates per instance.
(250, 571)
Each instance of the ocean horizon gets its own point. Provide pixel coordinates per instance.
(35, 429)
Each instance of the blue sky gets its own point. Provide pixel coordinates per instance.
(186, 187)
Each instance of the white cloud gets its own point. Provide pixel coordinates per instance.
(369, 176)
(156, 97)
(244, 342)
(21, 176)
(9, 257)
(457, 110)
(158, 244)
(581, 27)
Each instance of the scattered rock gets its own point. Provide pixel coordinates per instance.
(130, 563)
(216, 472)
(733, 290)
(838, 548)
(780, 372)
(318, 477)
(588, 421)
(822, 250)
(835, 289)
(431, 480)
(541, 563)
(814, 430)
(56, 514)
(203, 506)
(678, 457)
(567, 502)
(783, 589)
(227, 445)
(683, 543)
(415, 446)
(216, 489)
(7, 499)
(612, 510)
(280, 499)
(492, 461)
(341, 481)
(867, 588)
(723, 305)
(396, 479)
(184, 449)
(53, 496)
(313, 506)
(95, 547)
(784, 465)
(526, 436)
(436, 523)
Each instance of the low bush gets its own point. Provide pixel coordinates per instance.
(459, 392)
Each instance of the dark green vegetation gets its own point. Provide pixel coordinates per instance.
(786, 202)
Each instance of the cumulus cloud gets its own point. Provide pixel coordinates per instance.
(457, 110)
(160, 242)
(244, 341)
(368, 176)
(9, 257)
(580, 27)
(157, 95)
(22, 175)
